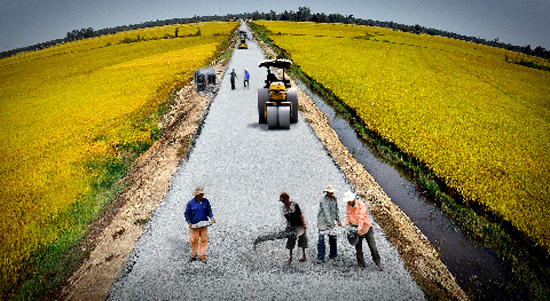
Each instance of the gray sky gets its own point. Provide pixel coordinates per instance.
(519, 22)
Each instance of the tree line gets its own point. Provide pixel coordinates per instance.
(302, 15)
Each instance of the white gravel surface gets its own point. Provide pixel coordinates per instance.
(244, 167)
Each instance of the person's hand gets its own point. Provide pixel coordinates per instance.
(305, 227)
(190, 225)
(213, 220)
(339, 224)
(359, 232)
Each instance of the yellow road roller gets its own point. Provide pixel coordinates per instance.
(243, 36)
(277, 101)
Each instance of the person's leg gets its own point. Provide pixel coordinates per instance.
(203, 233)
(333, 250)
(290, 243)
(193, 242)
(321, 247)
(359, 252)
(372, 247)
(290, 257)
(302, 243)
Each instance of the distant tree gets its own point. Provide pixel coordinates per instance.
(303, 14)
(527, 50)
(272, 15)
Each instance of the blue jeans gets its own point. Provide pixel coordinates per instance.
(321, 247)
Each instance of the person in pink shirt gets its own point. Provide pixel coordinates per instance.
(356, 214)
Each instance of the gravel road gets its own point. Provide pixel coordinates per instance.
(244, 167)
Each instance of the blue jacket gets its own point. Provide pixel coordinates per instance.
(196, 212)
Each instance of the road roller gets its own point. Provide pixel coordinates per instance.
(243, 36)
(277, 101)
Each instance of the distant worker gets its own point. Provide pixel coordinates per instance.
(233, 77)
(198, 212)
(294, 219)
(327, 217)
(356, 214)
(246, 78)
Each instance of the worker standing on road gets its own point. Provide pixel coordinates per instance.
(246, 78)
(232, 78)
(294, 219)
(327, 215)
(198, 210)
(356, 214)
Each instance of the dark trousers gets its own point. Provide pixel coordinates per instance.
(321, 247)
(233, 85)
(372, 246)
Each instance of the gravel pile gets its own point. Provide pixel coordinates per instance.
(244, 167)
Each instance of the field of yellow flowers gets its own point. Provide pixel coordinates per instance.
(66, 108)
(465, 110)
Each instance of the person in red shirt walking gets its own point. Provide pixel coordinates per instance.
(356, 214)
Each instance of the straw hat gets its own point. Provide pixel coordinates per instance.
(198, 190)
(348, 197)
(329, 188)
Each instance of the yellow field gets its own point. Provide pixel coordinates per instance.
(84, 101)
(477, 120)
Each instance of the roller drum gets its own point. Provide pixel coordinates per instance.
(272, 120)
(292, 97)
(284, 117)
(263, 97)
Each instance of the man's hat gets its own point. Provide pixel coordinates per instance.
(329, 188)
(198, 190)
(348, 197)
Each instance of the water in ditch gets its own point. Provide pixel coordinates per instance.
(478, 271)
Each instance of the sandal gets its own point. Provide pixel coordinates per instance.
(303, 259)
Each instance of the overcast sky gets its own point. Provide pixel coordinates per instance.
(519, 22)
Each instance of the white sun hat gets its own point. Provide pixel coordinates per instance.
(348, 197)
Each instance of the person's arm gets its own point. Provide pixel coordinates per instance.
(325, 214)
(303, 221)
(188, 215)
(362, 215)
(337, 212)
(209, 212)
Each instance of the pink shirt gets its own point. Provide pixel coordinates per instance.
(358, 215)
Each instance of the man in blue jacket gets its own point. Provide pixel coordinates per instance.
(246, 79)
(198, 212)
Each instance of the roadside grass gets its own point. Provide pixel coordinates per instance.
(312, 48)
(74, 118)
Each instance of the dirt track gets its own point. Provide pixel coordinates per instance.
(115, 234)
